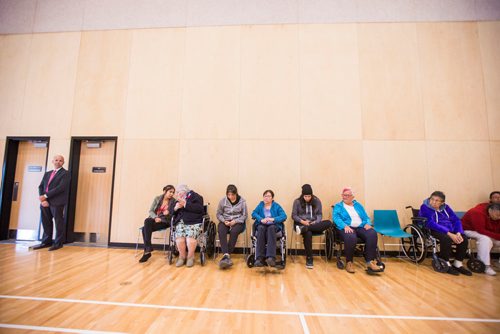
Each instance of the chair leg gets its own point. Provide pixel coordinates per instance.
(137, 242)
(165, 242)
(383, 245)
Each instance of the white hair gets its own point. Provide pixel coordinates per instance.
(183, 188)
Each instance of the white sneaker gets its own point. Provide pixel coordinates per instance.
(490, 271)
(298, 229)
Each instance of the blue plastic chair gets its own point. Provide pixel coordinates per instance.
(386, 223)
(460, 214)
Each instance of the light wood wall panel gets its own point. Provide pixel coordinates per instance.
(390, 90)
(212, 86)
(14, 66)
(489, 40)
(271, 164)
(329, 82)
(2, 153)
(329, 166)
(51, 84)
(154, 97)
(395, 176)
(452, 81)
(208, 166)
(59, 147)
(101, 86)
(269, 82)
(461, 170)
(282, 105)
(144, 167)
(495, 162)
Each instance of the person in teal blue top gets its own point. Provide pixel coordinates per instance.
(269, 217)
(352, 222)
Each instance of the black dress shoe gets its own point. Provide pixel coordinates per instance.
(55, 247)
(452, 271)
(145, 257)
(40, 246)
(463, 271)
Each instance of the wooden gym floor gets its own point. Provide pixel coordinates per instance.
(100, 290)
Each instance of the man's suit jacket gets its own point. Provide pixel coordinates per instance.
(58, 187)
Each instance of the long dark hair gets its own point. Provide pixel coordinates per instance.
(165, 189)
(303, 202)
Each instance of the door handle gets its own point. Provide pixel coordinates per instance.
(15, 191)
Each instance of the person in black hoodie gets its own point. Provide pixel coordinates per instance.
(307, 215)
(188, 217)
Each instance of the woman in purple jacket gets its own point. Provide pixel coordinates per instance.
(447, 228)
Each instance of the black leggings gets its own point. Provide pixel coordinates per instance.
(445, 244)
(234, 232)
(308, 231)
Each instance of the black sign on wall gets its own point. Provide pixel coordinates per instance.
(98, 169)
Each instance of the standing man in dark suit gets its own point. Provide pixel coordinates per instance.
(53, 191)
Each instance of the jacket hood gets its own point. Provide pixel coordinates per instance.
(427, 204)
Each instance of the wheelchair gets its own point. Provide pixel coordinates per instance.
(281, 238)
(423, 243)
(338, 247)
(206, 239)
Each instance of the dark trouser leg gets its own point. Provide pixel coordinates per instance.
(271, 241)
(370, 239)
(308, 236)
(233, 236)
(260, 250)
(350, 240)
(223, 229)
(461, 250)
(444, 244)
(58, 213)
(147, 232)
(48, 227)
(314, 228)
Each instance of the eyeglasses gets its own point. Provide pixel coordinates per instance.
(436, 200)
(347, 195)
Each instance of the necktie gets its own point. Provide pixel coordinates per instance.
(50, 179)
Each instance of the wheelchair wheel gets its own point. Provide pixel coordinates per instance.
(476, 266)
(202, 258)
(250, 260)
(439, 265)
(414, 247)
(340, 264)
(211, 239)
(329, 244)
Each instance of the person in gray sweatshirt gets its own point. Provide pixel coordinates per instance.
(307, 215)
(232, 215)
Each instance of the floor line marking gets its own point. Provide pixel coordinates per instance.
(55, 329)
(221, 310)
(304, 324)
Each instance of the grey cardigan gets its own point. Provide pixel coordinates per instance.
(157, 201)
(227, 211)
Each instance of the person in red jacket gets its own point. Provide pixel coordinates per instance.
(483, 224)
